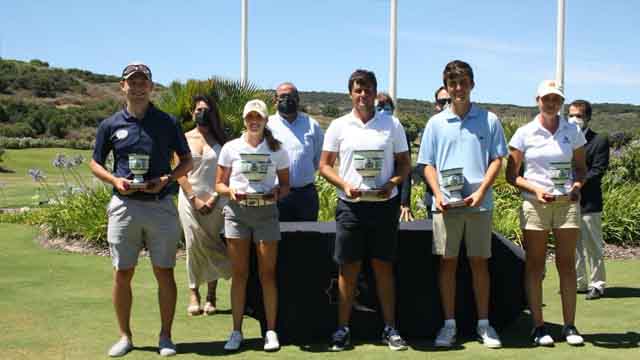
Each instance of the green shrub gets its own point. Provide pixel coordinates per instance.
(28, 142)
(624, 166)
(328, 199)
(16, 130)
(621, 215)
(79, 216)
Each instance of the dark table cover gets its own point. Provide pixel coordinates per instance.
(307, 286)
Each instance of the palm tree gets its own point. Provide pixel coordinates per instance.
(231, 96)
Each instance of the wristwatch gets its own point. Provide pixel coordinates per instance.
(191, 196)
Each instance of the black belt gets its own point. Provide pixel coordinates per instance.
(141, 196)
(305, 187)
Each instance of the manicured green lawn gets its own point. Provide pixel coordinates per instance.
(56, 305)
(18, 188)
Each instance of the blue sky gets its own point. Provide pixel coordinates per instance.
(318, 43)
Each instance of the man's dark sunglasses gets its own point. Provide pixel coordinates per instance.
(443, 101)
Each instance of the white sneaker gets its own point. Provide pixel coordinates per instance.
(446, 336)
(572, 336)
(166, 347)
(234, 342)
(489, 337)
(121, 348)
(271, 342)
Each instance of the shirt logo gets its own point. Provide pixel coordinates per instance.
(122, 134)
(565, 140)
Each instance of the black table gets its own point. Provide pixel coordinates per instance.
(307, 286)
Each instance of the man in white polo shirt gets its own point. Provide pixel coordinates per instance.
(372, 144)
(468, 137)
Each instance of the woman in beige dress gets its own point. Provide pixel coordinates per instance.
(200, 208)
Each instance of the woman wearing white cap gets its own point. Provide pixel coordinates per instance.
(553, 153)
(248, 168)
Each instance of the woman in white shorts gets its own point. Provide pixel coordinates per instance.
(248, 168)
(200, 209)
(554, 169)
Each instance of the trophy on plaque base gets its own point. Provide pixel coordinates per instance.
(139, 165)
(255, 168)
(368, 164)
(560, 174)
(453, 182)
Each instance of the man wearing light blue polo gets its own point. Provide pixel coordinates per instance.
(302, 138)
(468, 137)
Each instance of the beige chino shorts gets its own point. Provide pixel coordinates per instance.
(559, 214)
(450, 228)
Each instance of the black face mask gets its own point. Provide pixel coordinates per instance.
(287, 105)
(202, 118)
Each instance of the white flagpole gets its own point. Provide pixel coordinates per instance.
(244, 47)
(393, 52)
(560, 45)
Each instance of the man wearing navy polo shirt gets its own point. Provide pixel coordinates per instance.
(302, 137)
(146, 217)
(463, 136)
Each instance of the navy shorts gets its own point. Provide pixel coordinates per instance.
(366, 230)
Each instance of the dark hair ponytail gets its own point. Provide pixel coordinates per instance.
(274, 144)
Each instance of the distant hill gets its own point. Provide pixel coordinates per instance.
(37, 100)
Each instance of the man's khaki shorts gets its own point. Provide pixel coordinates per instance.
(559, 214)
(451, 228)
(134, 224)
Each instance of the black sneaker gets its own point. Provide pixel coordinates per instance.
(541, 337)
(392, 338)
(341, 339)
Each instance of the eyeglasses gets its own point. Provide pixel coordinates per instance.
(443, 101)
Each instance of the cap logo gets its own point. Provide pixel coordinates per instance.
(122, 134)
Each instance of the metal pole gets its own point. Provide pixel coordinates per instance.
(560, 45)
(393, 54)
(244, 47)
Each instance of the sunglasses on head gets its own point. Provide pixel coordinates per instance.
(443, 101)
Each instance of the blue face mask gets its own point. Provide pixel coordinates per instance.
(385, 109)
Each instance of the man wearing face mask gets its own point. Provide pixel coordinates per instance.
(590, 244)
(302, 138)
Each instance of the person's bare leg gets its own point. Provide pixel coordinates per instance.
(481, 285)
(212, 288)
(122, 298)
(347, 279)
(565, 263)
(239, 254)
(194, 297)
(536, 251)
(167, 294)
(447, 277)
(385, 285)
(267, 252)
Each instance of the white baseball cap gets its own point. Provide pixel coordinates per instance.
(256, 105)
(547, 87)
